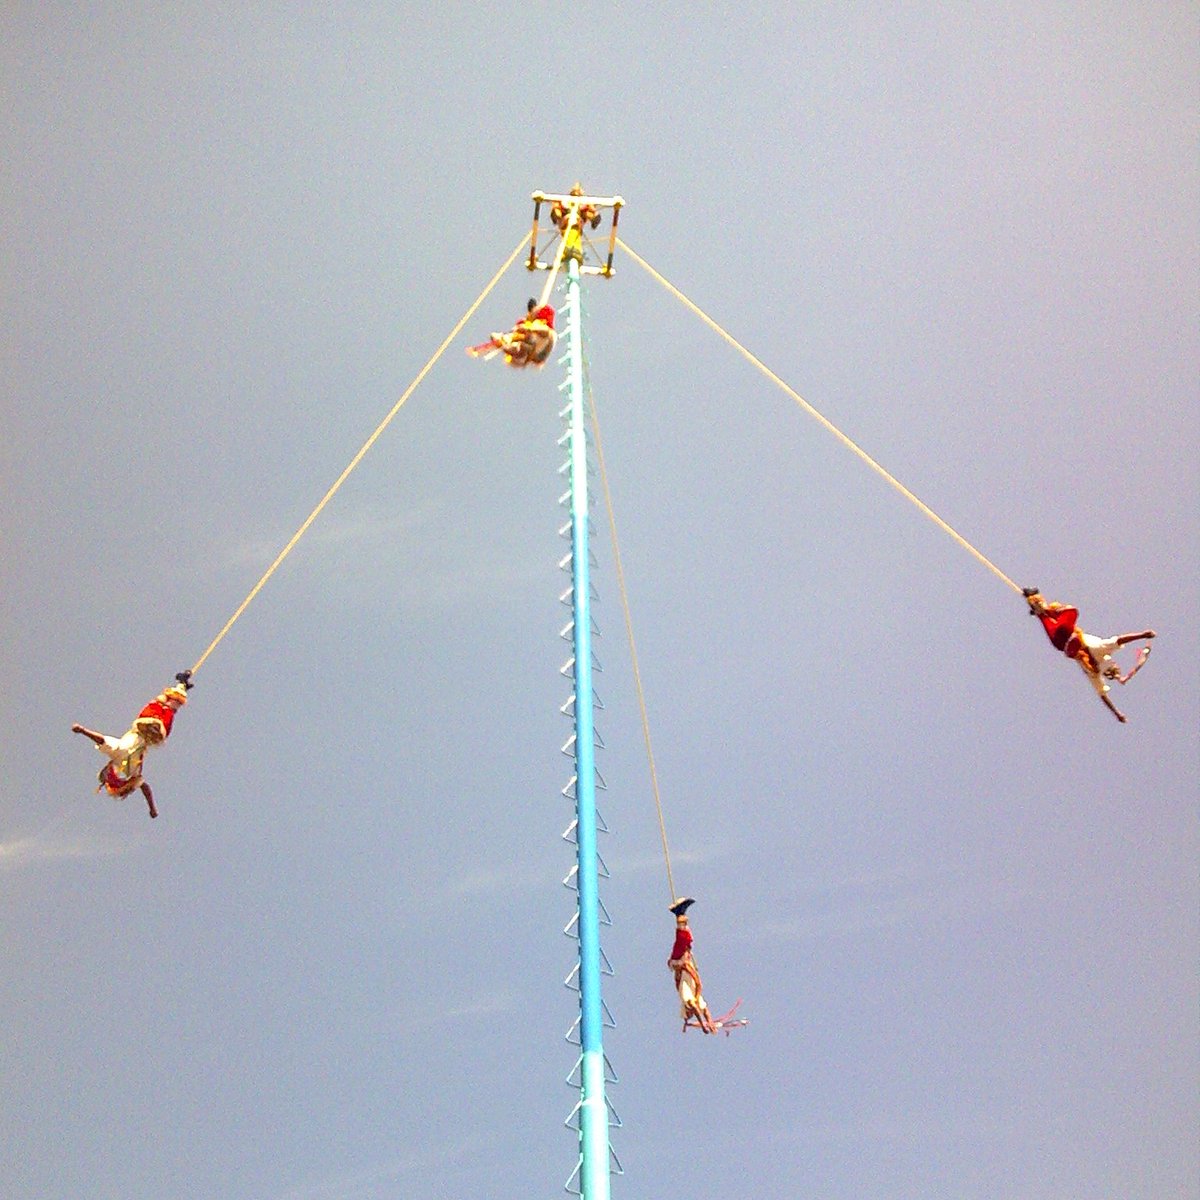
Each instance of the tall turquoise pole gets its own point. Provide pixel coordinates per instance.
(591, 1114)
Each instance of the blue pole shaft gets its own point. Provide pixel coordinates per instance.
(593, 1120)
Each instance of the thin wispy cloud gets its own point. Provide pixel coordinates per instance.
(499, 880)
(410, 548)
(647, 864)
(383, 1179)
(56, 843)
(506, 880)
(875, 902)
(913, 1131)
(333, 532)
(488, 1006)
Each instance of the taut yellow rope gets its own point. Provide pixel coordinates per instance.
(558, 258)
(637, 675)
(316, 512)
(812, 412)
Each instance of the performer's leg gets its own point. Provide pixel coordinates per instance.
(1143, 654)
(1126, 638)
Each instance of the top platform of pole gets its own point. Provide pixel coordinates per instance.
(571, 214)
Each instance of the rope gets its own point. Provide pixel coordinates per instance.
(812, 412)
(562, 245)
(637, 675)
(316, 512)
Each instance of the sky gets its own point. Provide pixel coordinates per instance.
(958, 900)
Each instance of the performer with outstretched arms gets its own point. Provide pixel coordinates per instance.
(121, 776)
(527, 344)
(1093, 654)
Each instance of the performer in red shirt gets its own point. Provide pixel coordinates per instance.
(1093, 654)
(687, 977)
(122, 774)
(529, 342)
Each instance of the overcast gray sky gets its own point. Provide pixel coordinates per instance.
(959, 900)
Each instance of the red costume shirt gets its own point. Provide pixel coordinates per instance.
(1059, 624)
(163, 713)
(683, 943)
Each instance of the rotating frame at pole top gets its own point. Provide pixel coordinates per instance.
(571, 215)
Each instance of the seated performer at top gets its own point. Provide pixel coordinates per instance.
(692, 1004)
(529, 342)
(122, 774)
(1093, 654)
(560, 214)
(589, 214)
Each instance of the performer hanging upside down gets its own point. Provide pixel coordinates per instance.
(692, 1005)
(527, 344)
(122, 774)
(1093, 654)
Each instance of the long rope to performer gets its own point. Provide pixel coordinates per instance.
(627, 614)
(531, 340)
(1093, 654)
(846, 441)
(316, 512)
(693, 1008)
(122, 774)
